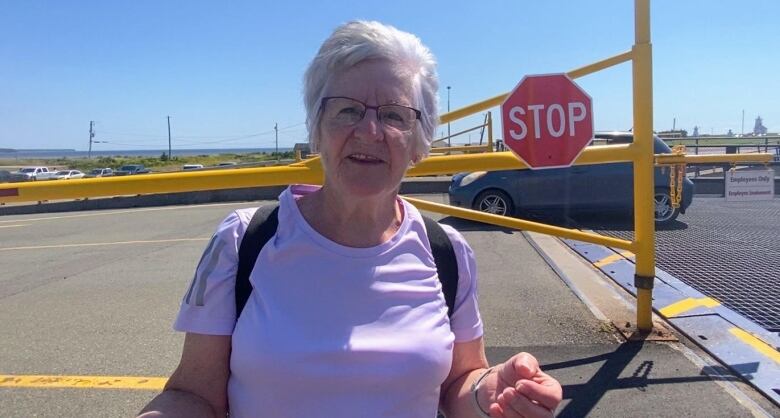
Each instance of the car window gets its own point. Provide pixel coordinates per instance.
(63, 173)
(27, 170)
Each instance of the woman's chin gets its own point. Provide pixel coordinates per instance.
(367, 186)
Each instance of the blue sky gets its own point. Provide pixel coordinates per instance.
(226, 72)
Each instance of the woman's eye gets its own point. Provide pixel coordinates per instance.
(349, 111)
(393, 116)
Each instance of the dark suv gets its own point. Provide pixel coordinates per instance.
(597, 187)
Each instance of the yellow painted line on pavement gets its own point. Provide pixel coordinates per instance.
(83, 382)
(756, 343)
(612, 258)
(686, 305)
(102, 244)
(13, 226)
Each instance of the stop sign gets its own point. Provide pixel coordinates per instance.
(547, 120)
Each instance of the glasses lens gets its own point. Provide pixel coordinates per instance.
(343, 111)
(398, 117)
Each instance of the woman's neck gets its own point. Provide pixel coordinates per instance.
(352, 221)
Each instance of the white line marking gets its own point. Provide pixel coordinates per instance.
(95, 244)
(83, 215)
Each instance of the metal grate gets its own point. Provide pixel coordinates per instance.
(729, 251)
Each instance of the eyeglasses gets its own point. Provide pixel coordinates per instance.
(344, 111)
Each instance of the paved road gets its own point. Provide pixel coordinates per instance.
(95, 293)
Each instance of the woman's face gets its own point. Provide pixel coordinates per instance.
(367, 158)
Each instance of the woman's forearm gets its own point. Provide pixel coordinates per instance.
(176, 403)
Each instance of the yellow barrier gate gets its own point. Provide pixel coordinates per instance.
(640, 153)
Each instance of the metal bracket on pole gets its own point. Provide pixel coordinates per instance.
(643, 282)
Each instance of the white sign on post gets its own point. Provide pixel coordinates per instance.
(749, 185)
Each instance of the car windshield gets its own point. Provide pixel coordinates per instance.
(661, 147)
(27, 170)
(96, 171)
(63, 173)
(127, 167)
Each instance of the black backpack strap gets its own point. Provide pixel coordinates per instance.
(446, 262)
(260, 229)
(265, 222)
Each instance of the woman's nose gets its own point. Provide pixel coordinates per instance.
(369, 127)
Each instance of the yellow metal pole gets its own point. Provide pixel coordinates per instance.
(498, 99)
(521, 224)
(644, 235)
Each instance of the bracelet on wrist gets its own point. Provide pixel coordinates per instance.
(475, 394)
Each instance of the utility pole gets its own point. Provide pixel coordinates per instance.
(276, 131)
(169, 138)
(449, 140)
(743, 122)
(91, 135)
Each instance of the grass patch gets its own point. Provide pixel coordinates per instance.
(158, 164)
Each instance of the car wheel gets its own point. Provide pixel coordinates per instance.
(664, 211)
(495, 202)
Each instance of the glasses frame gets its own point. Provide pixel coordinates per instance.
(417, 113)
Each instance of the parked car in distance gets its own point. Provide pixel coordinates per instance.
(100, 172)
(192, 166)
(130, 169)
(9, 177)
(33, 173)
(67, 175)
(227, 164)
(598, 187)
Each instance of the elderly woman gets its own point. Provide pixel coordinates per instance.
(346, 317)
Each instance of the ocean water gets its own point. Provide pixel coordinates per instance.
(70, 153)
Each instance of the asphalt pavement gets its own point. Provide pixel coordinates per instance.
(95, 294)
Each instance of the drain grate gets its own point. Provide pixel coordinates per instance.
(729, 251)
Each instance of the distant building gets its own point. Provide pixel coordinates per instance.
(673, 134)
(759, 128)
(439, 143)
(304, 148)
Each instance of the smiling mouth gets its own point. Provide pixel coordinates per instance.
(365, 159)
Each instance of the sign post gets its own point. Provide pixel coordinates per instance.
(547, 121)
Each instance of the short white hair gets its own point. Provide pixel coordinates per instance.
(359, 41)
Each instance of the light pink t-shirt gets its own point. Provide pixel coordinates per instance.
(330, 330)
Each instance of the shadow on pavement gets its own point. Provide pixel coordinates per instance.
(584, 388)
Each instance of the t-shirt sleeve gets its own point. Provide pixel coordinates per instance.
(209, 305)
(465, 322)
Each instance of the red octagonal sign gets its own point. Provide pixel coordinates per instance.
(547, 120)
